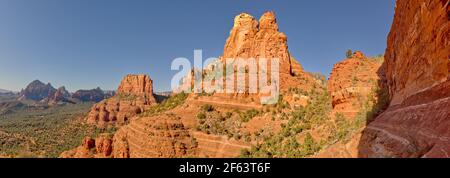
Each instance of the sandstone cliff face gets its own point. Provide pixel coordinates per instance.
(417, 56)
(417, 124)
(134, 95)
(252, 39)
(352, 82)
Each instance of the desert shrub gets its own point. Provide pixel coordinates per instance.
(214, 122)
(349, 53)
(248, 115)
(284, 143)
(168, 104)
(309, 145)
(207, 108)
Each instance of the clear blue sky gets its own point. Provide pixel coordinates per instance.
(82, 44)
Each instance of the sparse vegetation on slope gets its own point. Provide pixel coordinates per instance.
(286, 143)
(170, 103)
(295, 139)
(44, 132)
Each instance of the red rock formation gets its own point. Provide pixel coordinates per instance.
(417, 56)
(352, 82)
(137, 85)
(155, 137)
(163, 136)
(100, 147)
(252, 39)
(417, 124)
(134, 95)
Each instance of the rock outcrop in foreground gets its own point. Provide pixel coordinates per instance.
(149, 137)
(134, 95)
(417, 123)
(352, 82)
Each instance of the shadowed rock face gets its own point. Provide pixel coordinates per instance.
(134, 95)
(417, 124)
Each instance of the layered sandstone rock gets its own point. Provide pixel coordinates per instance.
(163, 136)
(417, 124)
(352, 82)
(134, 95)
(101, 147)
(137, 85)
(151, 137)
(417, 56)
(250, 39)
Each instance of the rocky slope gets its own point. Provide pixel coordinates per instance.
(163, 136)
(417, 123)
(352, 82)
(134, 95)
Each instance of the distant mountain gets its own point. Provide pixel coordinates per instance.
(95, 95)
(4, 91)
(37, 91)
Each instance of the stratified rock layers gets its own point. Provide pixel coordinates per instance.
(417, 124)
(134, 95)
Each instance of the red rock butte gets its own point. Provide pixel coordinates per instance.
(252, 39)
(134, 95)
